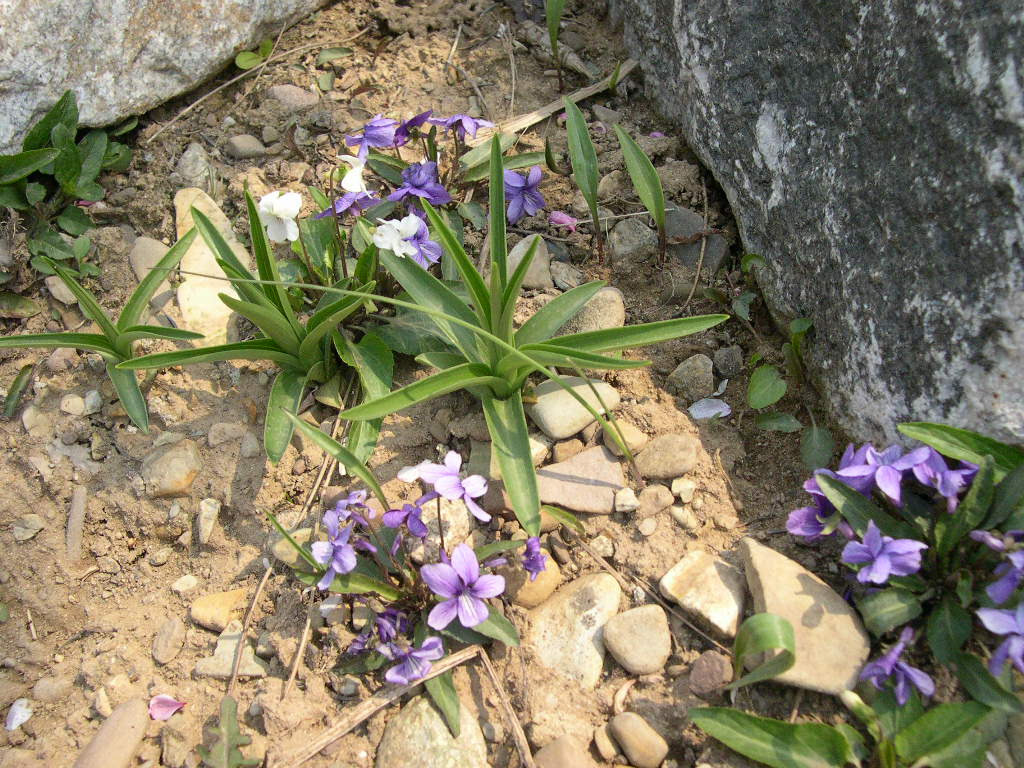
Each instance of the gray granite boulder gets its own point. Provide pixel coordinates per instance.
(121, 58)
(871, 153)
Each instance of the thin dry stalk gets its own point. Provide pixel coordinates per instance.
(245, 628)
(247, 73)
(703, 245)
(476, 89)
(299, 653)
(368, 707)
(506, 704)
(524, 121)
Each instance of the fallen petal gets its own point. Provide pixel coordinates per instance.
(710, 407)
(162, 706)
(18, 714)
(721, 388)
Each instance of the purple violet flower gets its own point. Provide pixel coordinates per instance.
(354, 202)
(1011, 624)
(390, 623)
(336, 553)
(524, 199)
(883, 556)
(413, 663)
(352, 507)
(889, 467)
(421, 180)
(888, 666)
(534, 561)
(817, 522)
(462, 124)
(378, 133)
(463, 588)
(404, 131)
(563, 219)
(656, 135)
(448, 483)
(934, 473)
(411, 515)
(427, 251)
(853, 470)
(1011, 574)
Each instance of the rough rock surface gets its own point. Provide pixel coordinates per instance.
(799, 108)
(566, 629)
(831, 644)
(127, 57)
(418, 735)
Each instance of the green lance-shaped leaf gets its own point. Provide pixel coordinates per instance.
(965, 445)
(467, 270)
(583, 158)
(937, 729)
(1007, 499)
(773, 742)
(497, 237)
(627, 337)
(547, 320)
(16, 167)
(759, 634)
(645, 179)
(64, 112)
(497, 627)
(266, 266)
(949, 626)
(17, 389)
(139, 301)
(970, 512)
(887, 609)
(253, 349)
(131, 396)
(510, 438)
(282, 405)
(983, 687)
(94, 342)
(858, 511)
(816, 447)
(269, 320)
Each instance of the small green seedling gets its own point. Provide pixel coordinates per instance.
(583, 158)
(251, 59)
(647, 184)
(553, 10)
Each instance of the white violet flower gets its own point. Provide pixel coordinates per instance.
(394, 234)
(277, 212)
(353, 181)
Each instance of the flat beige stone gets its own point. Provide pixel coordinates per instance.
(707, 588)
(831, 644)
(587, 482)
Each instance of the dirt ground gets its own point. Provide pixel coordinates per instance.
(91, 621)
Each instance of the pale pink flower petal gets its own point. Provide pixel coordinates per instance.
(162, 706)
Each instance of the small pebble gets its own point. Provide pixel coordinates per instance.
(603, 546)
(184, 584)
(206, 519)
(245, 146)
(643, 745)
(160, 557)
(93, 402)
(647, 526)
(709, 673)
(685, 517)
(683, 488)
(73, 405)
(626, 500)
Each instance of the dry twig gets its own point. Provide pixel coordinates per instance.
(246, 621)
(517, 730)
(703, 245)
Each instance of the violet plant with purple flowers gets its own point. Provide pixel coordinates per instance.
(417, 602)
(934, 539)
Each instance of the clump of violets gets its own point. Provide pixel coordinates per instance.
(420, 180)
(924, 533)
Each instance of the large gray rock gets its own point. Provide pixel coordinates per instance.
(872, 154)
(121, 58)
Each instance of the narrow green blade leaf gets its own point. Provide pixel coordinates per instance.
(646, 181)
(135, 332)
(582, 157)
(515, 282)
(937, 729)
(374, 363)
(759, 634)
(510, 163)
(426, 290)
(984, 688)
(304, 553)
(254, 349)
(613, 339)
(487, 551)
(565, 517)
(16, 167)
(136, 306)
(17, 389)
(440, 360)
(568, 357)
(510, 438)
(553, 14)
(892, 715)
(441, 383)
(887, 609)
(128, 391)
(92, 148)
(949, 626)
(442, 691)
(219, 245)
(89, 305)
(546, 322)
(965, 445)
(285, 396)
(480, 155)
(857, 510)
(773, 742)
(496, 233)
(498, 627)
(766, 387)
(467, 270)
(266, 265)
(269, 320)
(327, 319)
(344, 457)
(94, 342)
